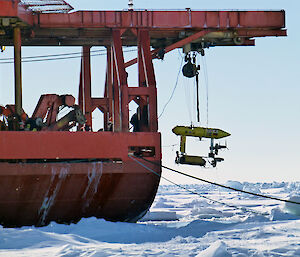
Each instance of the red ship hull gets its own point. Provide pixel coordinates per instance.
(36, 192)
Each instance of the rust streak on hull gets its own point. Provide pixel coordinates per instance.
(38, 193)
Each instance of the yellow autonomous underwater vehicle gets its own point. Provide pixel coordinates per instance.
(200, 132)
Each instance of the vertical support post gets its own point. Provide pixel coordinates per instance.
(108, 90)
(125, 108)
(18, 70)
(87, 95)
(80, 91)
(143, 103)
(147, 79)
(121, 111)
(116, 95)
(106, 114)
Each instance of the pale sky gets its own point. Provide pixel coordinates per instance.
(253, 93)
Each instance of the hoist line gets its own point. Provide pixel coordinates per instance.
(194, 114)
(223, 186)
(51, 55)
(32, 59)
(169, 145)
(188, 99)
(196, 193)
(50, 59)
(173, 91)
(206, 86)
(197, 92)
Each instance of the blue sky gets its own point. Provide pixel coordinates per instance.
(253, 93)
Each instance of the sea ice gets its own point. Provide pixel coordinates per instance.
(160, 216)
(178, 224)
(292, 207)
(217, 249)
(235, 184)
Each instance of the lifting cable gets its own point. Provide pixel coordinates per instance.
(188, 102)
(169, 145)
(196, 193)
(50, 55)
(173, 91)
(206, 85)
(50, 59)
(197, 91)
(53, 57)
(223, 186)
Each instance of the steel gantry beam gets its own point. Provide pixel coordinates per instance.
(165, 27)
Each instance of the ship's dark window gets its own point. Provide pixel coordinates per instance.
(144, 151)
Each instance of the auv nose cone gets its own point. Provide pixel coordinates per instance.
(216, 133)
(223, 134)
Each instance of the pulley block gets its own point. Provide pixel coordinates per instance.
(189, 70)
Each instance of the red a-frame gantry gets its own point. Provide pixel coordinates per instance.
(116, 86)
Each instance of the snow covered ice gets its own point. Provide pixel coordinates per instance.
(178, 224)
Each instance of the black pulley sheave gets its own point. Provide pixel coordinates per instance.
(189, 69)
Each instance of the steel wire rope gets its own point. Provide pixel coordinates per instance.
(187, 99)
(170, 145)
(51, 55)
(173, 91)
(57, 58)
(50, 59)
(206, 81)
(206, 86)
(194, 103)
(223, 186)
(196, 193)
